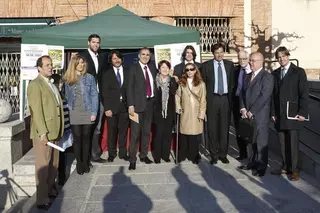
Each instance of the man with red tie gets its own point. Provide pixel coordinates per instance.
(140, 97)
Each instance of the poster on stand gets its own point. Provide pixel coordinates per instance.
(57, 55)
(173, 52)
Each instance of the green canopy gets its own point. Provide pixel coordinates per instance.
(117, 27)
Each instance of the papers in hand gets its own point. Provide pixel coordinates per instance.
(134, 117)
(55, 146)
(292, 111)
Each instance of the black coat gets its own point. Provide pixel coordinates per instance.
(136, 89)
(179, 68)
(111, 90)
(294, 87)
(171, 103)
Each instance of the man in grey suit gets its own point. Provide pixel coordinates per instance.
(255, 101)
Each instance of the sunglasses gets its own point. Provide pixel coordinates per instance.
(192, 69)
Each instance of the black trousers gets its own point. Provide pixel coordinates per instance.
(118, 126)
(162, 139)
(81, 143)
(218, 126)
(188, 147)
(258, 154)
(289, 142)
(141, 131)
(236, 118)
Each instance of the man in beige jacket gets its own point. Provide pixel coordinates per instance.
(47, 122)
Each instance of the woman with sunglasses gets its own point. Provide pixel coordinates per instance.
(191, 105)
(164, 112)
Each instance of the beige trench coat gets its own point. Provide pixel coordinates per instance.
(193, 107)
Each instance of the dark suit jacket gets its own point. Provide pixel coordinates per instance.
(171, 103)
(91, 68)
(111, 90)
(256, 96)
(179, 68)
(294, 87)
(207, 72)
(136, 88)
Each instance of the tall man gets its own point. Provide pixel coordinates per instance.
(290, 85)
(240, 72)
(188, 56)
(95, 68)
(113, 90)
(47, 123)
(140, 99)
(255, 101)
(218, 73)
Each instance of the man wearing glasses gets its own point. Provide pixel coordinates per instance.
(241, 71)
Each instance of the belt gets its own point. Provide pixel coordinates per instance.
(225, 94)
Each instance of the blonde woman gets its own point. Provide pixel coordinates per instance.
(191, 105)
(82, 96)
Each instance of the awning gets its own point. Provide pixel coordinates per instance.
(14, 27)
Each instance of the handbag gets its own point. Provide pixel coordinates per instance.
(247, 129)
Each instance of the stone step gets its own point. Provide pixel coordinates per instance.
(25, 179)
(25, 190)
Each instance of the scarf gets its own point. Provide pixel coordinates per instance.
(164, 86)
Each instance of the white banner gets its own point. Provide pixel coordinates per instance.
(173, 52)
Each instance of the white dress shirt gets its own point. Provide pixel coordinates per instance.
(94, 57)
(150, 77)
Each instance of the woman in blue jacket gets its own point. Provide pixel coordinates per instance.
(82, 96)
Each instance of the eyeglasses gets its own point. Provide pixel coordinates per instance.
(192, 69)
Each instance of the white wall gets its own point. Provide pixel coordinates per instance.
(303, 18)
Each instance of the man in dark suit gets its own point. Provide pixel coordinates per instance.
(140, 99)
(218, 77)
(188, 56)
(241, 71)
(255, 102)
(290, 85)
(113, 90)
(94, 67)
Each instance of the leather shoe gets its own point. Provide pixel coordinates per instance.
(224, 160)
(157, 161)
(245, 167)
(90, 165)
(125, 157)
(279, 172)
(258, 173)
(45, 207)
(196, 161)
(100, 160)
(240, 158)
(111, 159)
(146, 160)
(295, 176)
(132, 166)
(214, 160)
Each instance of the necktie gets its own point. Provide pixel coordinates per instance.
(220, 80)
(148, 86)
(283, 72)
(252, 76)
(240, 81)
(118, 76)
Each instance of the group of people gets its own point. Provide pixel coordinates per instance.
(92, 89)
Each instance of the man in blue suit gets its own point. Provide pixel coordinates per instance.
(255, 101)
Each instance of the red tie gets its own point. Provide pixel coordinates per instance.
(147, 81)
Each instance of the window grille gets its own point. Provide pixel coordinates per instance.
(212, 30)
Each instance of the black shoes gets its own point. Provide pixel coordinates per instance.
(224, 160)
(167, 160)
(125, 157)
(45, 207)
(214, 160)
(132, 166)
(258, 173)
(100, 160)
(146, 160)
(111, 159)
(157, 161)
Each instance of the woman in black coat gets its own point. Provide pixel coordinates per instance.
(164, 112)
